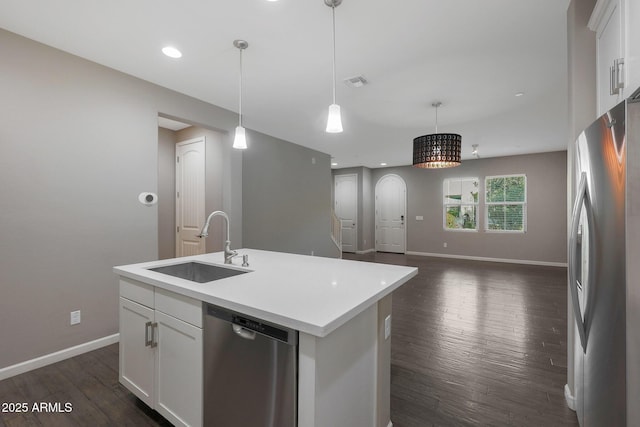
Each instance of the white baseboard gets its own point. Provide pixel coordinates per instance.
(366, 251)
(48, 359)
(478, 258)
(571, 400)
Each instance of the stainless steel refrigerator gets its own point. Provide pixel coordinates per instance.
(604, 268)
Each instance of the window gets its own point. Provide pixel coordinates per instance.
(460, 204)
(506, 203)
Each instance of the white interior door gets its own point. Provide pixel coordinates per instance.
(391, 207)
(346, 207)
(190, 196)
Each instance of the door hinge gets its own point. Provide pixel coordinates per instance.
(177, 229)
(178, 159)
(178, 194)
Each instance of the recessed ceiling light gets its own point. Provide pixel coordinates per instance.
(171, 52)
(520, 94)
(332, 163)
(383, 164)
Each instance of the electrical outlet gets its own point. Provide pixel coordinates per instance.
(387, 327)
(444, 244)
(75, 317)
(311, 253)
(419, 218)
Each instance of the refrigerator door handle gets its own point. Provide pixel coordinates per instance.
(582, 198)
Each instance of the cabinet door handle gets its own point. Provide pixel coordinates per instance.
(154, 338)
(148, 334)
(616, 76)
(612, 78)
(618, 64)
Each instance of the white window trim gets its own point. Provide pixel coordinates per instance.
(524, 205)
(476, 204)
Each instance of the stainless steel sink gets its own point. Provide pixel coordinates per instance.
(198, 272)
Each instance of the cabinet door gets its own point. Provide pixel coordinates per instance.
(632, 46)
(610, 48)
(136, 358)
(179, 371)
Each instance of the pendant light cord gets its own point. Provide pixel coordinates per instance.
(240, 97)
(333, 11)
(437, 118)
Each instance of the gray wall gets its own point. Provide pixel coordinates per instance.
(368, 211)
(581, 45)
(166, 190)
(78, 143)
(545, 239)
(286, 198)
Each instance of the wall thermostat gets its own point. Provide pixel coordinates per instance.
(148, 199)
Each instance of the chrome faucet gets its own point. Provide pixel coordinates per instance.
(228, 253)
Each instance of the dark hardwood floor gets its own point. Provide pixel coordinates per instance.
(473, 343)
(478, 343)
(88, 382)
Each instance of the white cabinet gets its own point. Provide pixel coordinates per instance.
(137, 359)
(632, 45)
(161, 351)
(617, 42)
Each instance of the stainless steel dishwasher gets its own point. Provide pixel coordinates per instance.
(251, 371)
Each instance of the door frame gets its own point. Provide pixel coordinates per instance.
(406, 217)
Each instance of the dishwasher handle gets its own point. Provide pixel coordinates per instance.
(244, 333)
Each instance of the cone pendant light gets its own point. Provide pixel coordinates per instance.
(334, 120)
(240, 140)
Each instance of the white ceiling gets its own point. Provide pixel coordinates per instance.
(471, 55)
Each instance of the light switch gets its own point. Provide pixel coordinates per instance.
(419, 218)
(75, 317)
(387, 327)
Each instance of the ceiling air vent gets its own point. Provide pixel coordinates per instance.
(357, 81)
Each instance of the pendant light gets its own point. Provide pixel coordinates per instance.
(334, 121)
(438, 150)
(240, 140)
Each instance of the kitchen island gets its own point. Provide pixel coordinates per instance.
(341, 309)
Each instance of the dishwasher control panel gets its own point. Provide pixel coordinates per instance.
(268, 330)
(280, 333)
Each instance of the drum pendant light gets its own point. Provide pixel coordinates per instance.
(438, 150)
(240, 140)
(334, 120)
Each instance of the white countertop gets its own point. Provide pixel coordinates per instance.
(314, 295)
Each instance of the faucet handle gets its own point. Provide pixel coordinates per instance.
(245, 260)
